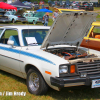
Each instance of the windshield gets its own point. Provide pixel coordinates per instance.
(33, 36)
(39, 14)
(13, 13)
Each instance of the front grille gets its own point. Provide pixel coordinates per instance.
(90, 68)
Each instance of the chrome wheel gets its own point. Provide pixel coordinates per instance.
(33, 81)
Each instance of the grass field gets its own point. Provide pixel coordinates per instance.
(10, 84)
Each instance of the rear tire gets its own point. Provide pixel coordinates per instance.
(23, 22)
(35, 82)
(13, 21)
(34, 22)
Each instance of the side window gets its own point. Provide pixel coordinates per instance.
(26, 15)
(7, 13)
(10, 35)
(95, 33)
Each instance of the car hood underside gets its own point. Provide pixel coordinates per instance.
(69, 28)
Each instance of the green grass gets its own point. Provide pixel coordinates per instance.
(11, 83)
(96, 8)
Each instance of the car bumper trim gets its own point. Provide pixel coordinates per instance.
(72, 81)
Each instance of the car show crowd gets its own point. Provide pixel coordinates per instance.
(34, 12)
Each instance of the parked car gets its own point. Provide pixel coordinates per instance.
(12, 15)
(34, 18)
(64, 2)
(35, 2)
(50, 56)
(46, 6)
(92, 39)
(51, 3)
(87, 7)
(4, 18)
(36, 7)
(59, 3)
(75, 7)
(63, 10)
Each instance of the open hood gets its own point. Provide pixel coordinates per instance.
(20, 12)
(69, 28)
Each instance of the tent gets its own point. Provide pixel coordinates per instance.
(6, 6)
(20, 5)
(44, 10)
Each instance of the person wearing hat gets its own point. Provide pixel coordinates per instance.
(55, 14)
(46, 19)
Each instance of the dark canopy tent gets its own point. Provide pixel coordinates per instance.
(19, 4)
(7, 6)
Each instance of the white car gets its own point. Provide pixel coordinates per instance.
(56, 61)
(13, 17)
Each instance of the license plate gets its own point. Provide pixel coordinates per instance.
(95, 83)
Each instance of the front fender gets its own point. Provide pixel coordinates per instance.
(42, 66)
(13, 17)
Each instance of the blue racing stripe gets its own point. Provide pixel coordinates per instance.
(26, 54)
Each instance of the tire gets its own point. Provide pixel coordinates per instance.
(13, 21)
(35, 82)
(34, 22)
(23, 22)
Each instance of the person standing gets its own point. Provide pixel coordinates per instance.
(46, 19)
(55, 14)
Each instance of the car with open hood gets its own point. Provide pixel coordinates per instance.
(34, 17)
(50, 56)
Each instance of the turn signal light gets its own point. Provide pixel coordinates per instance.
(47, 72)
(72, 69)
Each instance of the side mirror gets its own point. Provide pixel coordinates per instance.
(10, 42)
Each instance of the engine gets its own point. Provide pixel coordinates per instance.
(69, 53)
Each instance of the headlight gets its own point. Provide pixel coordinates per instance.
(63, 69)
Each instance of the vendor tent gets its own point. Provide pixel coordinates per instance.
(20, 5)
(6, 6)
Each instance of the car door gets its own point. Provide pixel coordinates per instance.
(9, 55)
(28, 17)
(92, 40)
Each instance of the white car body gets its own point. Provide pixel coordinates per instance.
(14, 18)
(19, 59)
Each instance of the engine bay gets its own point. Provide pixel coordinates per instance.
(69, 53)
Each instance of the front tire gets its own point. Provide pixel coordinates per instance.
(13, 21)
(34, 22)
(35, 82)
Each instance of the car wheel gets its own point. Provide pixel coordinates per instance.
(35, 82)
(34, 22)
(23, 22)
(13, 21)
